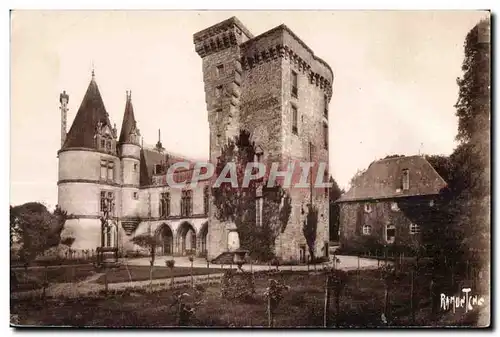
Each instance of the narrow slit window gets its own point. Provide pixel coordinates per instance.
(294, 81)
(295, 129)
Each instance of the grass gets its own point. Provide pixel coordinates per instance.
(302, 306)
(141, 273)
(33, 278)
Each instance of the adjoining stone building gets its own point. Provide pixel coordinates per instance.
(272, 85)
(275, 87)
(386, 202)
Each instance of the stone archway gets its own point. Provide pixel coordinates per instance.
(202, 240)
(166, 242)
(186, 239)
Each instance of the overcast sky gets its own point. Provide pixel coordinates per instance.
(394, 89)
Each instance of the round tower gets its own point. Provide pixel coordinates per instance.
(130, 156)
(88, 165)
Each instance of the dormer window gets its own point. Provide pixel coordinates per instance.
(406, 180)
(159, 169)
(368, 208)
(367, 230)
(394, 206)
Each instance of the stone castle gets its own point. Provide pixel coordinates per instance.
(271, 85)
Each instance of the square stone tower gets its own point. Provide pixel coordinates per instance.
(273, 86)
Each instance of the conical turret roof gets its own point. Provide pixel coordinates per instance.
(129, 124)
(90, 113)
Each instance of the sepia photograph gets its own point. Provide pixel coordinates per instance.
(250, 169)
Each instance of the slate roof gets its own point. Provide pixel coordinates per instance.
(383, 180)
(151, 157)
(91, 111)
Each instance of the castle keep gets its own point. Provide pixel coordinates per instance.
(271, 85)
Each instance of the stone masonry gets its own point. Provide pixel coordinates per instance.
(248, 84)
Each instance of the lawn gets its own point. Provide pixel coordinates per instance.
(141, 273)
(302, 306)
(33, 278)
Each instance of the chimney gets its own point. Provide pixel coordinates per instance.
(63, 99)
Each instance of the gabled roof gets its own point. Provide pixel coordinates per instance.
(383, 180)
(129, 124)
(91, 111)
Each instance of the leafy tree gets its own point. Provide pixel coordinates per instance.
(36, 228)
(237, 204)
(149, 241)
(334, 193)
(472, 157)
(309, 229)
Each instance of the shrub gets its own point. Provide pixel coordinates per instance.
(170, 263)
(317, 260)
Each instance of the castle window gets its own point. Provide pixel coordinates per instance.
(136, 195)
(406, 179)
(111, 171)
(206, 199)
(295, 129)
(414, 228)
(103, 144)
(158, 169)
(325, 180)
(325, 135)
(294, 82)
(220, 70)
(367, 230)
(390, 233)
(325, 103)
(107, 202)
(218, 91)
(186, 203)
(135, 167)
(164, 204)
(259, 203)
(104, 169)
(108, 145)
(394, 206)
(368, 208)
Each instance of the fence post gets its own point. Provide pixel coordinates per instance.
(326, 311)
(357, 275)
(431, 288)
(412, 297)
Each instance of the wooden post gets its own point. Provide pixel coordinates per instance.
(192, 278)
(357, 275)
(386, 302)
(106, 281)
(269, 313)
(431, 287)
(326, 309)
(412, 299)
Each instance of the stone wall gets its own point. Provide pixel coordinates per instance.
(353, 216)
